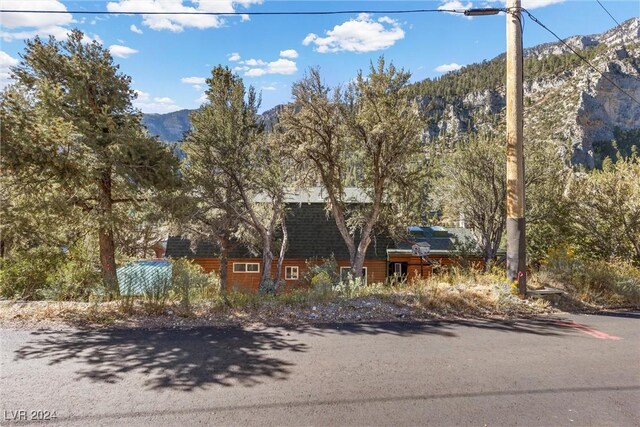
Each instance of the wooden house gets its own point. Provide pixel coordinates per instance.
(314, 236)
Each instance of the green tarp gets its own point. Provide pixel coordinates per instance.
(141, 276)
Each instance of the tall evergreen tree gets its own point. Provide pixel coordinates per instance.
(233, 169)
(376, 126)
(69, 123)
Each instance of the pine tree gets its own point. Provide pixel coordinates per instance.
(69, 124)
(231, 163)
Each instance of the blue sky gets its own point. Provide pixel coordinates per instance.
(169, 57)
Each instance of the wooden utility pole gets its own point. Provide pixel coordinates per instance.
(516, 244)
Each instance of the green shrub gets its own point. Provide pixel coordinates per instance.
(597, 281)
(190, 282)
(350, 287)
(322, 275)
(26, 274)
(77, 278)
(156, 290)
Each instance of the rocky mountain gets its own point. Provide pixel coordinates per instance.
(169, 127)
(567, 103)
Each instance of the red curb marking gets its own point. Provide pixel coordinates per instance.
(587, 330)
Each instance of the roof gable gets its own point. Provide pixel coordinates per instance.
(312, 234)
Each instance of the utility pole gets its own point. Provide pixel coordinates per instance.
(516, 243)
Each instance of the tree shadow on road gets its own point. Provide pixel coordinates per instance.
(224, 356)
(176, 359)
(445, 328)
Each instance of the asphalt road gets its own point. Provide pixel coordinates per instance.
(582, 370)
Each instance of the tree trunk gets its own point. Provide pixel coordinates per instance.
(108, 261)
(105, 237)
(283, 250)
(358, 264)
(266, 283)
(341, 223)
(489, 255)
(225, 245)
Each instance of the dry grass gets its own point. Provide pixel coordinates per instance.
(592, 285)
(450, 296)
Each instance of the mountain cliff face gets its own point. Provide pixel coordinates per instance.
(169, 127)
(566, 102)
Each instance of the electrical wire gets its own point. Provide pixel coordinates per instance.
(327, 12)
(593, 67)
(608, 13)
(320, 12)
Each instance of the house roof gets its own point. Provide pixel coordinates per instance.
(312, 233)
(441, 240)
(319, 195)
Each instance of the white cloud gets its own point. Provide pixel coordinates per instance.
(268, 88)
(193, 80)
(178, 23)
(456, 5)
(202, 98)
(33, 24)
(6, 61)
(34, 20)
(233, 57)
(142, 96)
(121, 51)
(29, 25)
(135, 29)
(289, 53)
(89, 38)
(445, 68)
(253, 62)
(145, 103)
(60, 33)
(244, 17)
(256, 72)
(258, 67)
(279, 66)
(362, 34)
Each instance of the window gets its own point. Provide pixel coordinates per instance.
(246, 267)
(290, 273)
(346, 271)
(397, 268)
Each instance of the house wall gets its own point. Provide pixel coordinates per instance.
(249, 282)
(416, 270)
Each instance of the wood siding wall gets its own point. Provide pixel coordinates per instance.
(376, 269)
(249, 282)
(416, 270)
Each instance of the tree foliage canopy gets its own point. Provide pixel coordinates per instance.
(70, 129)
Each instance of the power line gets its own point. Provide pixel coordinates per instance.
(320, 12)
(325, 12)
(537, 21)
(608, 13)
